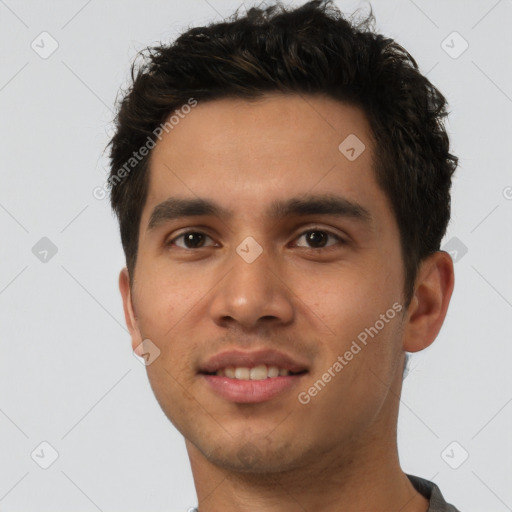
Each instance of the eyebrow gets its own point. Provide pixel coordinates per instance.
(177, 208)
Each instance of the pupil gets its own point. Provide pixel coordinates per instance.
(190, 236)
(320, 237)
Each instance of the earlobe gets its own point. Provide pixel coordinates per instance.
(428, 307)
(129, 314)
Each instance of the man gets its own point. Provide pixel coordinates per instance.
(282, 182)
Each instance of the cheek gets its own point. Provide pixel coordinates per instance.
(352, 313)
(349, 298)
(159, 304)
(165, 302)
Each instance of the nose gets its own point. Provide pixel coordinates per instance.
(253, 293)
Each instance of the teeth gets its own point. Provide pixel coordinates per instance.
(273, 371)
(242, 373)
(259, 372)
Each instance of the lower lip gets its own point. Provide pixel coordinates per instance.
(251, 391)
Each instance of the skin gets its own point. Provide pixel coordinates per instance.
(339, 451)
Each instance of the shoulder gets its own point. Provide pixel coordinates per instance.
(431, 491)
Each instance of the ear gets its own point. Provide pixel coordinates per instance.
(427, 310)
(129, 314)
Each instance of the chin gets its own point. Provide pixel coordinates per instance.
(254, 456)
(252, 462)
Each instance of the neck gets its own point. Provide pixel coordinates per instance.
(331, 484)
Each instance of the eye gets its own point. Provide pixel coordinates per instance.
(318, 238)
(191, 239)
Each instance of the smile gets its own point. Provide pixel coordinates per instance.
(260, 372)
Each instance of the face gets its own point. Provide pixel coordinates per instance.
(295, 267)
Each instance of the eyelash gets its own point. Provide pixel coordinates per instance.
(340, 240)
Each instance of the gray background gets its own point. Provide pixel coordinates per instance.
(67, 373)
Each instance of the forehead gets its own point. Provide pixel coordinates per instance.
(249, 153)
(276, 125)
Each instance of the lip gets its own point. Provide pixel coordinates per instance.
(252, 391)
(253, 358)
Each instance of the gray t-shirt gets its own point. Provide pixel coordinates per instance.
(432, 493)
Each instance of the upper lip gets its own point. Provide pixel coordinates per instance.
(249, 359)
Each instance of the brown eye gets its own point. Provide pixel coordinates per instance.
(317, 238)
(191, 240)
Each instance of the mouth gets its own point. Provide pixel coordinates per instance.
(252, 377)
(260, 372)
